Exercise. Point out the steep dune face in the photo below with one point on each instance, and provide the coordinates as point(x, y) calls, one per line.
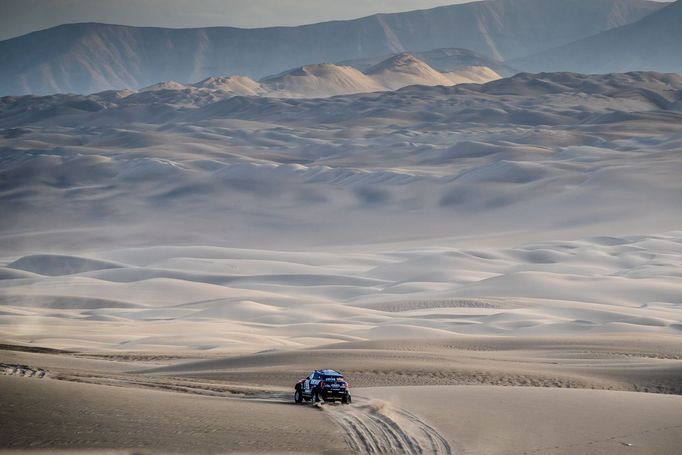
point(472, 74)
point(322, 80)
point(325, 80)
point(167, 85)
point(447, 60)
point(443, 60)
point(238, 85)
point(403, 70)
point(233, 85)
point(84, 58)
point(652, 43)
point(396, 72)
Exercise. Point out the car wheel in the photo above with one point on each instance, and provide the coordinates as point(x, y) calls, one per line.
point(298, 396)
point(346, 399)
point(314, 398)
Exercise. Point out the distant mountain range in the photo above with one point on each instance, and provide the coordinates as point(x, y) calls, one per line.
point(654, 42)
point(91, 57)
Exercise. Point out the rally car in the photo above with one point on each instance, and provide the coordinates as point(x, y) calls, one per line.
point(326, 385)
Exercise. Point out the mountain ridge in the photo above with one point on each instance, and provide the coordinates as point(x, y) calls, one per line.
point(90, 57)
point(650, 43)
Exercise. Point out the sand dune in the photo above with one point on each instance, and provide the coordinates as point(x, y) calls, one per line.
point(325, 80)
point(403, 70)
point(597, 285)
point(444, 60)
point(519, 234)
point(284, 230)
point(239, 85)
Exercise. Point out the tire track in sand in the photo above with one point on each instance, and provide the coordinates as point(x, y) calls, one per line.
point(9, 369)
point(377, 428)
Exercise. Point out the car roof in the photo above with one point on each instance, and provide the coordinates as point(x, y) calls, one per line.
point(330, 373)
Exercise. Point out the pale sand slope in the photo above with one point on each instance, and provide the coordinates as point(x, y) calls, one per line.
point(405, 69)
point(227, 300)
point(327, 79)
point(493, 420)
point(322, 80)
point(65, 415)
point(510, 163)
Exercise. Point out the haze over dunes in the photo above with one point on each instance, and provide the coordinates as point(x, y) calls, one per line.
point(269, 175)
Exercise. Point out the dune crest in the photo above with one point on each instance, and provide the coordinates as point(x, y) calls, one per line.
point(326, 79)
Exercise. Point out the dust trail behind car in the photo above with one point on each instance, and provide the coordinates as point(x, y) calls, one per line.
point(375, 427)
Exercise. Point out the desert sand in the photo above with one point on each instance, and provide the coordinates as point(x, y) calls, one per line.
point(68, 415)
point(493, 420)
point(327, 79)
point(244, 403)
point(495, 267)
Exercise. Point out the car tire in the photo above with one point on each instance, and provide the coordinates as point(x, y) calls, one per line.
point(314, 398)
point(346, 399)
point(298, 396)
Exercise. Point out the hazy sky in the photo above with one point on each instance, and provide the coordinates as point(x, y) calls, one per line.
point(22, 16)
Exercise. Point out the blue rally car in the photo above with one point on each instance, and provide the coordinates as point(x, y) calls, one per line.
point(326, 385)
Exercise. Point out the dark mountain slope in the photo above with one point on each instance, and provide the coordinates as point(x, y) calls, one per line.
point(653, 43)
point(91, 57)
